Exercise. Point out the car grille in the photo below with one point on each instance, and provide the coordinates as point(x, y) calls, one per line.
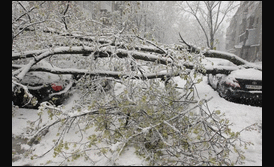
point(250, 85)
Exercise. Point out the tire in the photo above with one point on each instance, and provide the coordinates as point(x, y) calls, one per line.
point(224, 93)
point(208, 79)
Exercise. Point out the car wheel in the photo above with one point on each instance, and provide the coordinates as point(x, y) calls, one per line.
point(219, 90)
point(224, 93)
point(208, 79)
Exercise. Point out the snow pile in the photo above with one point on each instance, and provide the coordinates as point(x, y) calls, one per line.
point(250, 73)
point(216, 62)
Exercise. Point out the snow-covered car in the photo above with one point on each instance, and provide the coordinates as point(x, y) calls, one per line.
point(43, 86)
point(240, 85)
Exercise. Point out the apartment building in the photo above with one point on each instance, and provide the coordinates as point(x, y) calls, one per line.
point(97, 9)
point(244, 34)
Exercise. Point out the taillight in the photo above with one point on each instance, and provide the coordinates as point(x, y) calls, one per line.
point(56, 87)
point(234, 83)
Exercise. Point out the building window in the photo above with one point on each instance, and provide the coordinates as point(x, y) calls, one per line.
point(251, 22)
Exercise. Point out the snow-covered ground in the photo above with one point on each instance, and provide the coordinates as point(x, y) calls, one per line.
point(239, 114)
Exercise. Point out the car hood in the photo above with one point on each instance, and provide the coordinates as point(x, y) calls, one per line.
point(248, 74)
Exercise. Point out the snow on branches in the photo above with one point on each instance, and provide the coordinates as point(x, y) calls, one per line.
point(126, 89)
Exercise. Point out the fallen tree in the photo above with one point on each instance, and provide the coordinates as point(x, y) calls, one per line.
point(100, 73)
point(121, 53)
point(143, 53)
point(167, 124)
point(176, 63)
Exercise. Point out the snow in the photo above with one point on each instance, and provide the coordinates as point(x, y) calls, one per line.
point(231, 55)
point(239, 114)
point(216, 62)
point(242, 73)
point(19, 122)
point(130, 158)
point(145, 130)
point(114, 147)
point(250, 73)
point(235, 57)
point(119, 88)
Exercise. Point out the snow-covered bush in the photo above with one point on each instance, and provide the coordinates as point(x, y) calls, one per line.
point(164, 124)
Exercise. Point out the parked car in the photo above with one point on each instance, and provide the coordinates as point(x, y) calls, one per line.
point(52, 87)
point(44, 87)
point(243, 85)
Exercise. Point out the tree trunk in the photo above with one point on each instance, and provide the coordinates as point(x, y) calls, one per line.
point(211, 30)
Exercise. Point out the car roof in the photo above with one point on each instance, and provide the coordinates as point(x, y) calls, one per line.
point(39, 78)
point(248, 74)
point(217, 62)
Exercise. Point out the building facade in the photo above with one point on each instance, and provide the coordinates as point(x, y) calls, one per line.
point(97, 9)
point(244, 34)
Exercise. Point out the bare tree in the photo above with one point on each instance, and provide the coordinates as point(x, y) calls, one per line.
point(209, 15)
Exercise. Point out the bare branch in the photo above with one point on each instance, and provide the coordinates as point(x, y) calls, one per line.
point(27, 12)
point(152, 44)
point(24, 13)
point(194, 13)
point(26, 27)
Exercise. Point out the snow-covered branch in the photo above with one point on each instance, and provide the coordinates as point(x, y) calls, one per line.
point(101, 73)
point(25, 88)
point(219, 54)
point(59, 50)
point(121, 53)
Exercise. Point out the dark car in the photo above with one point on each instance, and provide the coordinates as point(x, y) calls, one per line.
point(243, 85)
point(44, 87)
point(54, 88)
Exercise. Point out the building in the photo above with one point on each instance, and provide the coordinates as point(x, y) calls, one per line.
point(244, 34)
point(97, 9)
